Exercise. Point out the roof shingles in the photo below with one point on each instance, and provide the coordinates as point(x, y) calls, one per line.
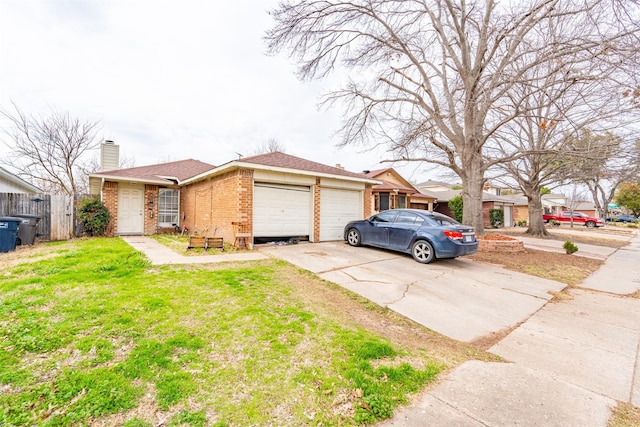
point(282, 160)
point(180, 170)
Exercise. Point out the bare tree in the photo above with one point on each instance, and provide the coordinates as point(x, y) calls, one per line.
point(269, 146)
point(605, 162)
point(432, 77)
point(549, 143)
point(51, 151)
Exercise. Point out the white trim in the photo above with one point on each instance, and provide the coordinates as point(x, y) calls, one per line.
point(114, 178)
point(254, 166)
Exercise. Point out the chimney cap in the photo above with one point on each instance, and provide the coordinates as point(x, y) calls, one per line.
point(366, 171)
point(108, 141)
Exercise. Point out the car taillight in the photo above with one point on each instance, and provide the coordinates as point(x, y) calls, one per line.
point(453, 235)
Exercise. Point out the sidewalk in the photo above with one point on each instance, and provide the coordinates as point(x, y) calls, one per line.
point(567, 365)
point(584, 250)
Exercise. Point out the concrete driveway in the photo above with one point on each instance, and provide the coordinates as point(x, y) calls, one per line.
point(457, 298)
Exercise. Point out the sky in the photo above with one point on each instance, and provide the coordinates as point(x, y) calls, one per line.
point(172, 80)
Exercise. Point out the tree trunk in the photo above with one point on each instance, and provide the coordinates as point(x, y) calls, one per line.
point(536, 224)
point(472, 183)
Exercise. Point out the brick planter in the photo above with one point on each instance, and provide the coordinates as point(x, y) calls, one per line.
point(497, 243)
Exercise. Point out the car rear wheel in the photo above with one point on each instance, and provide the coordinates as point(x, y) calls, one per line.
point(353, 237)
point(590, 224)
point(422, 251)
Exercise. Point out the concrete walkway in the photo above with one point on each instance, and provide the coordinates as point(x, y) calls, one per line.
point(159, 254)
point(568, 364)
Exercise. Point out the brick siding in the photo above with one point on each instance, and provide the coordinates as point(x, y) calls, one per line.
point(110, 201)
point(150, 209)
point(211, 205)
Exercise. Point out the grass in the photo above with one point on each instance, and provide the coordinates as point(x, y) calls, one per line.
point(91, 334)
point(625, 415)
point(569, 269)
point(179, 243)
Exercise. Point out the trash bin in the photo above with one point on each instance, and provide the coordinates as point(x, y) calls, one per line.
point(9, 233)
point(27, 230)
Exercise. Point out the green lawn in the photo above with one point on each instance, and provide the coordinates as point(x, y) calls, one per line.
point(95, 335)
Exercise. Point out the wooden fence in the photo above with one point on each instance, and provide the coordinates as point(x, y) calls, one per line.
point(56, 212)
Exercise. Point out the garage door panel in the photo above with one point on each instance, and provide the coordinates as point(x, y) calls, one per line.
point(281, 210)
point(337, 208)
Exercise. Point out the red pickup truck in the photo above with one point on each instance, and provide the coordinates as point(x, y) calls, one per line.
point(578, 218)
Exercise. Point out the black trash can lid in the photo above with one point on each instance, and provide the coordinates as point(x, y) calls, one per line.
point(10, 218)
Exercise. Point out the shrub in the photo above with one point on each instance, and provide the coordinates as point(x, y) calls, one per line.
point(496, 217)
point(456, 206)
point(522, 223)
point(94, 217)
point(569, 247)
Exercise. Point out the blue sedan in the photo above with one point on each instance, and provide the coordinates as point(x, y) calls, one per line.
point(425, 235)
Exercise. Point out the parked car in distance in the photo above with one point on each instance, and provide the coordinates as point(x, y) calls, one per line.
point(622, 218)
point(425, 235)
point(578, 218)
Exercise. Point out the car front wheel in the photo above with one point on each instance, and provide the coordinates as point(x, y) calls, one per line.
point(353, 237)
point(422, 251)
point(590, 224)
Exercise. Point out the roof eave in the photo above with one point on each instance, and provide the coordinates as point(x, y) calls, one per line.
point(130, 179)
point(239, 165)
point(19, 181)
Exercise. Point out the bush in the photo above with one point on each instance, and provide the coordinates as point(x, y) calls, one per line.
point(522, 223)
point(94, 217)
point(496, 217)
point(569, 247)
point(456, 206)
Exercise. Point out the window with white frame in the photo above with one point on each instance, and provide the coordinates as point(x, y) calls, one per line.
point(168, 207)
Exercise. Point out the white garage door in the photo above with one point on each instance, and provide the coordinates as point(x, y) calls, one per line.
point(337, 207)
point(281, 210)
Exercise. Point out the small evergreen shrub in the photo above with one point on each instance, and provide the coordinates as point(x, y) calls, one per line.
point(456, 206)
point(496, 217)
point(569, 247)
point(94, 217)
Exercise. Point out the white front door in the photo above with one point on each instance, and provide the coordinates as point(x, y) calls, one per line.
point(130, 211)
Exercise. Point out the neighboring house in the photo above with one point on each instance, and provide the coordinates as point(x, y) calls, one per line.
point(277, 196)
point(490, 201)
point(396, 192)
point(551, 204)
point(11, 183)
point(586, 207)
point(436, 186)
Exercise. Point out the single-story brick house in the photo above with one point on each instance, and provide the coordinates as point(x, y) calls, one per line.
point(396, 192)
point(275, 194)
point(489, 201)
